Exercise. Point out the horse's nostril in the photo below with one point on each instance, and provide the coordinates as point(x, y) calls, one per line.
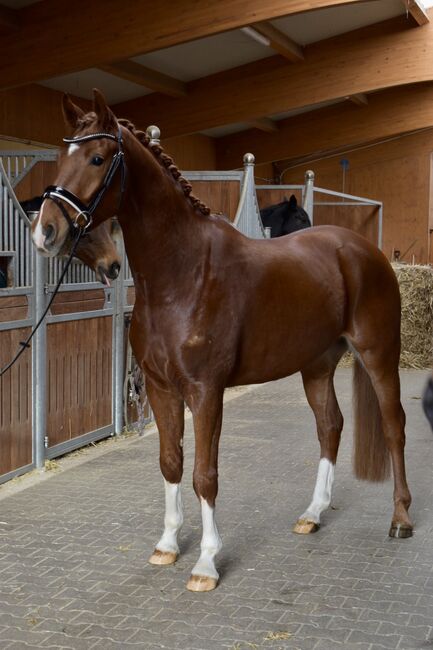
point(50, 233)
point(114, 270)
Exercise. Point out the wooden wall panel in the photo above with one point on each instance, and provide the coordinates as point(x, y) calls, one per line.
point(395, 172)
point(79, 377)
point(15, 404)
point(220, 196)
point(193, 152)
point(361, 219)
point(13, 308)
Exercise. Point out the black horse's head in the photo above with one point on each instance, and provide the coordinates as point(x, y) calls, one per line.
point(285, 217)
point(295, 217)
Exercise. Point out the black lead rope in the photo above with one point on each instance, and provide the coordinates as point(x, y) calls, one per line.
point(26, 344)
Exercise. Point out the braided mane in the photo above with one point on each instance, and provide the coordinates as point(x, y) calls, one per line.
point(167, 162)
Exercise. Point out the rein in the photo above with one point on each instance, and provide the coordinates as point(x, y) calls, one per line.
point(26, 344)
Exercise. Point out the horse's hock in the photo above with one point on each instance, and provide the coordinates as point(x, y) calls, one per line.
point(416, 289)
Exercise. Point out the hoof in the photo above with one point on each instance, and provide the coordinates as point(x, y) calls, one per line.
point(305, 527)
point(163, 557)
point(201, 583)
point(400, 531)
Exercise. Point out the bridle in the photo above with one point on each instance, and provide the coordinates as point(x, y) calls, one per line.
point(60, 195)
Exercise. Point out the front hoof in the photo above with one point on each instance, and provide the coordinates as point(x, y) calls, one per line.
point(163, 558)
point(305, 527)
point(400, 531)
point(201, 583)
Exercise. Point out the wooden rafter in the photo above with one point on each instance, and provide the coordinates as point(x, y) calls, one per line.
point(264, 124)
point(417, 11)
point(279, 42)
point(389, 113)
point(342, 64)
point(101, 31)
point(359, 99)
point(151, 79)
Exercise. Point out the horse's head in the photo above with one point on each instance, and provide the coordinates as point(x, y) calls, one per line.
point(96, 249)
point(89, 183)
point(295, 217)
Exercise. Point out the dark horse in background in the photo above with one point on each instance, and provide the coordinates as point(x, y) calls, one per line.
point(285, 217)
point(215, 309)
point(96, 248)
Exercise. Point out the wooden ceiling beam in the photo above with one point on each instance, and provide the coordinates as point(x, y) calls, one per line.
point(417, 11)
point(264, 124)
point(87, 34)
point(9, 19)
point(143, 76)
point(388, 114)
point(335, 68)
point(279, 42)
point(359, 99)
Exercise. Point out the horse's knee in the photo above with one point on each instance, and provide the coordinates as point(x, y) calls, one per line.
point(171, 467)
point(206, 484)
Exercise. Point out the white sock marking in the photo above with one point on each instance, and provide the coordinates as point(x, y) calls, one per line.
point(210, 543)
point(173, 519)
point(322, 491)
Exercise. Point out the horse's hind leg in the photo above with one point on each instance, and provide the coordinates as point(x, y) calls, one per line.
point(169, 415)
point(319, 389)
point(382, 368)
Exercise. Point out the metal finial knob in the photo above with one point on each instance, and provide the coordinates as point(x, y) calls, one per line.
point(309, 174)
point(249, 159)
point(154, 134)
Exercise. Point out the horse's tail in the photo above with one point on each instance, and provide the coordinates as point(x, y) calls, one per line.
point(371, 455)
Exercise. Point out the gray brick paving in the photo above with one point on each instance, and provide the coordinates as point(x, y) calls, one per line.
point(73, 549)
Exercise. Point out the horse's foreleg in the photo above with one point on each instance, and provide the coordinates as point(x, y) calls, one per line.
point(207, 427)
point(319, 388)
point(169, 415)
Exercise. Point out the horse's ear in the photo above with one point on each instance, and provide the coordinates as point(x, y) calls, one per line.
point(105, 116)
point(71, 112)
point(293, 203)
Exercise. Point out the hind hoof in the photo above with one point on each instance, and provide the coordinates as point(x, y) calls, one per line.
point(400, 531)
point(305, 527)
point(163, 558)
point(201, 583)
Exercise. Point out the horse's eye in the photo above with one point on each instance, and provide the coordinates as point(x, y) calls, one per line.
point(97, 161)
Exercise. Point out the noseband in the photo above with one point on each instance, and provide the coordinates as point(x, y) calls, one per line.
point(60, 195)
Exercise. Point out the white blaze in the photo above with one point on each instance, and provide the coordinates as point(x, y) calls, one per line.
point(72, 147)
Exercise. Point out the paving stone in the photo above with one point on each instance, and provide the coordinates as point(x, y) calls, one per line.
point(79, 578)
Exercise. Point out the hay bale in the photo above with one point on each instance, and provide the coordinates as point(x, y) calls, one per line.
point(416, 290)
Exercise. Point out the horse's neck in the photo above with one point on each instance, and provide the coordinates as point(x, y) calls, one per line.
point(162, 232)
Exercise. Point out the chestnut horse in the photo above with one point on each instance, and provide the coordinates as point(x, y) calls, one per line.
point(215, 308)
point(96, 248)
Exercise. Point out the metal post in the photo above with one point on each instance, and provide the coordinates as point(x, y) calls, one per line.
point(39, 362)
point(118, 345)
point(309, 194)
point(380, 227)
point(154, 134)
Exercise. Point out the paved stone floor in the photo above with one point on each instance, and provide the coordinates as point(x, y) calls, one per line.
point(73, 549)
